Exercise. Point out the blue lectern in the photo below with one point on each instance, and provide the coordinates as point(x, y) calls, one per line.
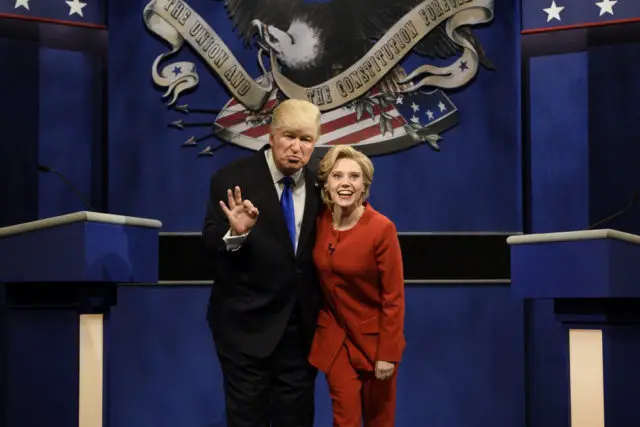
point(594, 279)
point(60, 276)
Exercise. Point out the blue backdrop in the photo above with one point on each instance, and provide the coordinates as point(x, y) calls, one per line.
point(465, 359)
point(464, 363)
point(476, 356)
point(478, 167)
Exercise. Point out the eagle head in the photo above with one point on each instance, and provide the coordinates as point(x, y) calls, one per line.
point(300, 47)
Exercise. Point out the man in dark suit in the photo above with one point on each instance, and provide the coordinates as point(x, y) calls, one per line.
point(260, 228)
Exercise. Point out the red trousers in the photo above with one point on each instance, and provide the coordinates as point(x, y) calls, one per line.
point(359, 397)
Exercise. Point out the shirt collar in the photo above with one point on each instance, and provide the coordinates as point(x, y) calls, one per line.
point(276, 175)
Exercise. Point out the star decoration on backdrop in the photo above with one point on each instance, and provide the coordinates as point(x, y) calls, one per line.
point(75, 6)
point(422, 110)
point(22, 3)
point(606, 6)
point(553, 12)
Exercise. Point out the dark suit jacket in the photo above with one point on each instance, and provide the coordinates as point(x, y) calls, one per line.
point(257, 287)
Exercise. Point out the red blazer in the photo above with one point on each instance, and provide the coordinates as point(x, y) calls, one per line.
point(362, 279)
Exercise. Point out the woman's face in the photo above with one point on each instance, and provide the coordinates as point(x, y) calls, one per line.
point(345, 184)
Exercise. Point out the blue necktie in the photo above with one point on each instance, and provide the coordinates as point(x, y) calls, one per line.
point(286, 200)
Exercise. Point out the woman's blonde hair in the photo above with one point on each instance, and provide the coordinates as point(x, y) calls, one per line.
point(328, 163)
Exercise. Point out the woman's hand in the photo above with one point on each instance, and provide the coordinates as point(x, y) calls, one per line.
point(384, 370)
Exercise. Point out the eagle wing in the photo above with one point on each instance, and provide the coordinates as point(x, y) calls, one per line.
point(272, 12)
point(380, 15)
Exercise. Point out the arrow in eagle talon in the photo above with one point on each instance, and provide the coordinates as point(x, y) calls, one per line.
point(185, 109)
point(182, 108)
point(191, 142)
point(206, 152)
point(178, 124)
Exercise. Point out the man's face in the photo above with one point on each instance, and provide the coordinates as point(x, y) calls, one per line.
point(292, 148)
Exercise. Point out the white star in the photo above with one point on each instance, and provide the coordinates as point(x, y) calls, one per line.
point(429, 114)
point(441, 106)
point(75, 6)
point(553, 12)
point(415, 120)
point(606, 6)
point(399, 100)
point(414, 106)
point(23, 3)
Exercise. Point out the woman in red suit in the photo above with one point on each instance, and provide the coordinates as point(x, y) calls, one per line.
point(359, 336)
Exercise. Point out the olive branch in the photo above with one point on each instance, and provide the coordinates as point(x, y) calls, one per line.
point(366, 104)
point(417, 132)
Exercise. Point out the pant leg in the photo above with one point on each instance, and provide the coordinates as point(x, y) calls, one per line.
point(379, 401)
point(246, 389)
point(293, 381)
point(345, 389)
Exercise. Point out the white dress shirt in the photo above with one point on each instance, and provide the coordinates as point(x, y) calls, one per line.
point(298, 192)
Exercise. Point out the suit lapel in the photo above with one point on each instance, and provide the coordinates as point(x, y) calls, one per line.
point(312, 199)
point(268, 204)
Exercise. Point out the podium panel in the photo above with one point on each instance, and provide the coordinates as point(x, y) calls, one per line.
point(80, 247)
point(592, 278)
point(583, 264)
point(60, 278)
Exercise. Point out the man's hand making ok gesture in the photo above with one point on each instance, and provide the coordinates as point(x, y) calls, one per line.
point(242, 214)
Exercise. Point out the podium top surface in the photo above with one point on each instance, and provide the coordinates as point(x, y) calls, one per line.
point(83, 216)
point(568, 236)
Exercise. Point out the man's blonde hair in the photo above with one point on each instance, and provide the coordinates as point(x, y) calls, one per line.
point(294, 114)
point(328, 163)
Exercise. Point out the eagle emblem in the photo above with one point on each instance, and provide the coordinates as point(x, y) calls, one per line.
point(345, 56)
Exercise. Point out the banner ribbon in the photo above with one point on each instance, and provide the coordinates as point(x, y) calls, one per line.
point(176, 22)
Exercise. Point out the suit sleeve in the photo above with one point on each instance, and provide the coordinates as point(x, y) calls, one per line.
point(216, 224)
point(390, 268)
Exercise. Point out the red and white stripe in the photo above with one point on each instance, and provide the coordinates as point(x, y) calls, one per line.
point(339, 126)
